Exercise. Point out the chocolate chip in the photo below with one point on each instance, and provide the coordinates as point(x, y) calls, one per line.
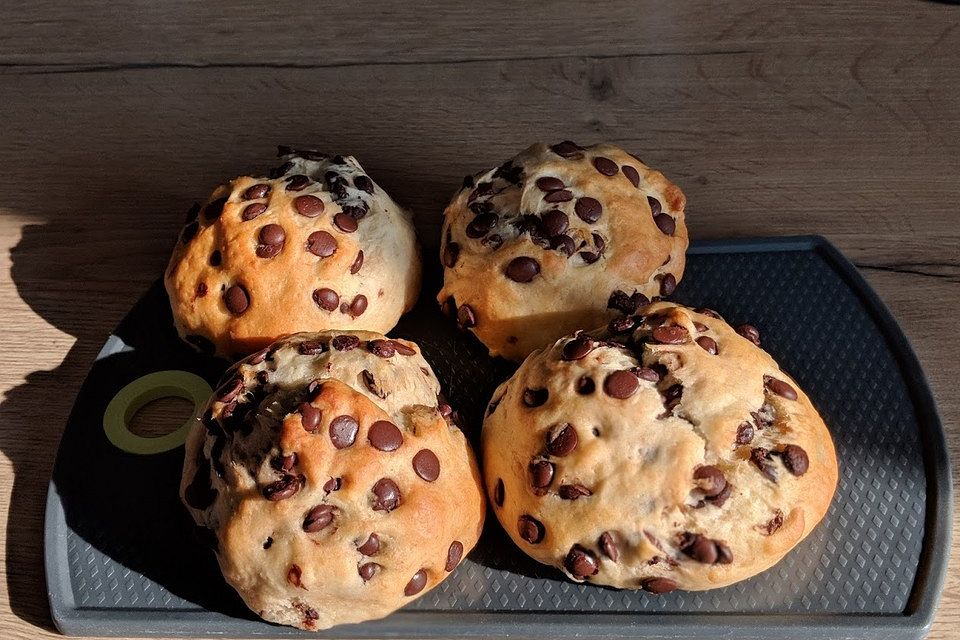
point(773, 525)
point(257, 191)
point(468, 182)
point(276, 172)
point(522, 269)
point(608, 545)
point(655, 208)
point(761, 458)
point(345, 342)
point(309, 416)
point(322, 244)
point(564, 244)
point(535, 397)
point(318, 518)
point(668, 284)
point(672, 396)
point(251, 211)
point(724, 555)
point(364, 183)
point(578, 348)
point(498, 493)
point(293, 576)
point(283, 488)
point(450, 254)
point(333, 484)
point(530, 529)
point(215, 209)
point(403, 349)
point(567, 149)
point(311, 347)
point(357, 263)
point(573, 491)
point(345, 223)
point(670, 334)
point(710, 480)
point(708, 344)
point(555, 222)
point(632, 174)
point(699, 547)
point(367, 570)
point(272, 234)
point(481, 225)
point(659, 585)
point(494, 241)
point(562, 440)
point(581, 563)
point(385, 436)
point(646, 373)
point(621, 384)
point(795, 459)
point(192, 213)
point(381, 348)
point(744, 433)
point(326, 299)
point(541, 474)
point(189, 232)
point(416, 584)
point(483, 189)
point(454, 554)
point(386, 495)
point(588, 209)
point(237, 299)
point(606, 166)
point(297, 182)
point(201, 289)
point(620, 301)
point(665, 223)
point(371, 546)
point(550, 183)
point(267, 543)
point(749, 332)
point(231, 389)
point(466, 317)
point(309, 206)
point(564, 195)
point(343, 431)
point(357, 306)
point(426, 465)
point(780, 387)
point(372, 384)
point(710, 313)
point(216, 258)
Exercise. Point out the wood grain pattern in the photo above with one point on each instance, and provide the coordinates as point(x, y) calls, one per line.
point(775, 118)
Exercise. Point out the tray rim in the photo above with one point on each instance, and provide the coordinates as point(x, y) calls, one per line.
point(913, 622)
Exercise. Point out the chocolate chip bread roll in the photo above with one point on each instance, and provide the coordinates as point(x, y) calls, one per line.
point(559, 238)
point(331, 480)
point(667, 452)
point(317, 245)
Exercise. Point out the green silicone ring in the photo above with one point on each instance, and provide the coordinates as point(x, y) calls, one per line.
point(153, 386)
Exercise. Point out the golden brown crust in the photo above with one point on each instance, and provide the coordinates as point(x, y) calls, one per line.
point(658, 409)
point(281, 272)
point(616, 247)
point(288, 471)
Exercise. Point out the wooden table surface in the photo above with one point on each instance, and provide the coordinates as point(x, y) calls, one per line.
point(841, 119)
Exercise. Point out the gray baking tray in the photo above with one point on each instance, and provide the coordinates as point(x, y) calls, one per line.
point(121, 558)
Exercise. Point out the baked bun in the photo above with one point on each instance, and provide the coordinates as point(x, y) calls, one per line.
point(667, 452)
point(559, 238)
point(318, 245)
point(331, 480)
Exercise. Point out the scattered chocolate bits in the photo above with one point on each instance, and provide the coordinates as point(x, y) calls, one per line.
point(580, 562)
point(773, 525)
point(744, 433)
point(382, 348)
point(283, 488)
point(670, 334)
point(309, 206)
point(251, 211)
point(454, 554)
point(621, 384)
point(371, 546)
point(237, 299)
point(710, 480)
point(385, 436)
point(659, 585)
point(562, 440)
point(632, 174)
point(749, 332)
point(386, 495)
point(780, 387)
point(608, 545)
point(309, 416)
point(606, 166)
point(345, 342)
point(708, 344)
point(345, 222)
point(522, 269)
point(343, 431)
point(326, 299)
point(466, 318)
point(498, 493)
point(550, 183)
point(795, 459)
point(541, 474)
point(322, 244)
point(451, 251)
point(530, 529)
point(416, 584)
point(426, 465)
point(573, 491)
point(318, 518)
point(760, 457)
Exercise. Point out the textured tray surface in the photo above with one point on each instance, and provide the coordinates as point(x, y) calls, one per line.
point(130, 557)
